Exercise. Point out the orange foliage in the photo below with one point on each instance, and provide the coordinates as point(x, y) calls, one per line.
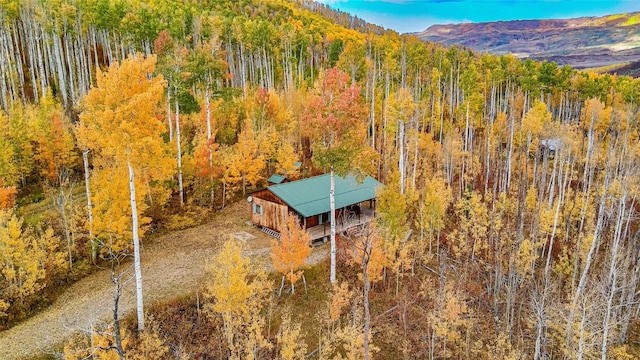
point(55, 148)
point(339, 298)
point(7, 197)
point(203, 154)
point(290, 252)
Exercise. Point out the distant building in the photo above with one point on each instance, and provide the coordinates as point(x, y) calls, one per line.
point(552, 145)
point(279, 179)
point(276, 179)
point(309, 200)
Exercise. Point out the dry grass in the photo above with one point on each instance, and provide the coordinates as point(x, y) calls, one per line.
point(172, 265)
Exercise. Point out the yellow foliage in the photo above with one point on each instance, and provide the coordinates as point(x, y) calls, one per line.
point(621, 352)
point(4, 306)
point(286, 159)
point(502, 349)
point(112, 210)
point(344, 340)
point(229, 285)
point(119, 115)
point(369, 248)
point(25, 257)
point(565, 262)
point(16, 142)
point(547, 216)
point(532, 199)
point(339, 297)
point(595, 114)
point(470, 238)
point(392, 210)
point(250, 162)
point(98, 345)
point(290, 339)
point(430, 151)
point(401, 108)
point(231, 176)
point(534, 123)
point(120, 123)
point(436, 199)
point(238, 298)
point(267, 140)
point(450, 321)
point(150, 347)
point(351, 339)
point(526, 257)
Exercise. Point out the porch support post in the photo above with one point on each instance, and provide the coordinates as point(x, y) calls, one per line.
point(332, 202)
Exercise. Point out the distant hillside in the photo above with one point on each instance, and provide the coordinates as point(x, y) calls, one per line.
point(582, 43)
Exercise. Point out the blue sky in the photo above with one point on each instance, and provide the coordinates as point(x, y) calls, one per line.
point(417, 15)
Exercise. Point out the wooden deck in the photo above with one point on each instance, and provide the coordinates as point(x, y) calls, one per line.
point(323, 231)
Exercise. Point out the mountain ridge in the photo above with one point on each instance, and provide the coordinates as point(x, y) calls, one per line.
point(584, 42)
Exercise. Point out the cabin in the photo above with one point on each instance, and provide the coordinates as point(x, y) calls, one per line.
point(279, 179)
point(309, 200)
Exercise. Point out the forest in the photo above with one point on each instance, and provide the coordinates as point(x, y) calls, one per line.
point(508, 227)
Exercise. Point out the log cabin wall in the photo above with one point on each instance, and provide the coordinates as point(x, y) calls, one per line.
point(312, 221)
point(270, 214)
point(265, 194)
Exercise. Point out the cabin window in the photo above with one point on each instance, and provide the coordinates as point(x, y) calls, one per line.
point(258, 209)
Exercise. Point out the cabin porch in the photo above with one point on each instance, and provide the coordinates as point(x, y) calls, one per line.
point(350, 220)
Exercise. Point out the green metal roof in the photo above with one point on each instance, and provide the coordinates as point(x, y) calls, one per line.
point(310, 196)
point(276, 179)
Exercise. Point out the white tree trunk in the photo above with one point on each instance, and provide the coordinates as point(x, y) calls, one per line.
point(401, 162)
point(169, 121)
point(373, 109)
point(94, 247)
point(611, 281)
point(179, 150)
point(332, 202)
point(136, 249)
point(207, 102)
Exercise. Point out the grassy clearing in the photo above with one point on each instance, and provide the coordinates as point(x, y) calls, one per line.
point(632, 20)
point(607, 68)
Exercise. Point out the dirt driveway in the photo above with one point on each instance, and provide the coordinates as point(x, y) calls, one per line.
point(171, 265)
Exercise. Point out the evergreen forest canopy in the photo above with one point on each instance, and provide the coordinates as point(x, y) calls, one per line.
point(517, 181)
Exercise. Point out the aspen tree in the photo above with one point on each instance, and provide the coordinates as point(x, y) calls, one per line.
point(335, 126)
point(238, 298)
point(352, 58)
point(290, 339)
point(433, 204)
point(401, 112)
point(290, 251)
point(286, 159)
point(369, 253)
point(55, 149)
point(119, 123)
point(26, 255)
point(250, 161)
point(8, 168)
